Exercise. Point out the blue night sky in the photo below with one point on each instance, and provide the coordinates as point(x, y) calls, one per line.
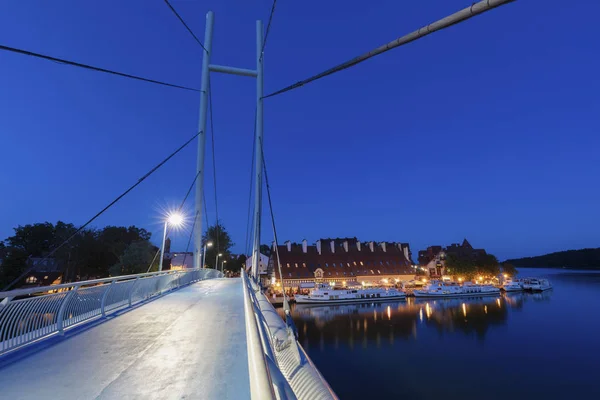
point(487, 130)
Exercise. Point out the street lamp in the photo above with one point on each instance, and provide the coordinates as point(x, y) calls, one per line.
point(207, 244)
point(175, 219)
point(223, 262)
point(217, 260)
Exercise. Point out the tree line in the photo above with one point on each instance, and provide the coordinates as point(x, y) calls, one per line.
point(584, 258)
point(481, 265)
point(98, 253)
point(91, 254)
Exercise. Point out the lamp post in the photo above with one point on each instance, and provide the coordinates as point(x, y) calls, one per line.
point(175, 219)
point(223, 262)
point(207, 244)
point(217, 261)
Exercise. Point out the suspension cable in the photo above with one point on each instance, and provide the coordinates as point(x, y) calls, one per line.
point(187, 248)
point(170, 228)
point(90, 67)
point(112, 203)
point(462, 15)
point(185, 25)
point(262, 51)
point(286, 305)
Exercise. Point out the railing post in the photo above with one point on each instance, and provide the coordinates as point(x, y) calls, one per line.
point(61, 311)
point(5, 302)
point(104, 296)
point(133, 287)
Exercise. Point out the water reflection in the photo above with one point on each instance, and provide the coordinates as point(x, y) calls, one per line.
point(357, 325)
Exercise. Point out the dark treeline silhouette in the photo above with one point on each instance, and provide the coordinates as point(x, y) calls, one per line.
point(92, 253)
point(584, 258)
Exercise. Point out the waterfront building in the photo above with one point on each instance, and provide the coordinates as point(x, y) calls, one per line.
point(343, 262)
point(263, 266)
point(181, 260)
point(43, 272)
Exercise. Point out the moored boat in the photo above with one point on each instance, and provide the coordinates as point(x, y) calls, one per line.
point(512, 286)
point(325, 294)
point(537, 284)
point(450, 289)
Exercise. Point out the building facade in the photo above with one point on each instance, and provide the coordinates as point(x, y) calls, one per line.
point(341, 262)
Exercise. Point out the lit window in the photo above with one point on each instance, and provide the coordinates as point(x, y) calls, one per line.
point(387, 262)
point(349, 264)
point(326, 264)
point(378, 271)
point(355, 263)
point(288, 265)
point(372, 272)
point(31, 279)
point(46, 277)
point(333, 265)
point(303, 265)
point(296, 265)
point(361, 263)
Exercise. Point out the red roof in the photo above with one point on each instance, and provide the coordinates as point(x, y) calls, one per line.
point(296, 264)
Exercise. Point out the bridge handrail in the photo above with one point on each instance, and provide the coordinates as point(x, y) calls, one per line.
point(30, 315)
point(266, 379)
point(42, 289)
point(261, 386)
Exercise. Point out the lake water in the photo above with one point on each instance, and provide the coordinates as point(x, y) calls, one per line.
point(544, 345)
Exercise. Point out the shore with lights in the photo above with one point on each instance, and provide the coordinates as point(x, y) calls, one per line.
point(419, 287)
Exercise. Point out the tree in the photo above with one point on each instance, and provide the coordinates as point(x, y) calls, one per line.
point(460, 266)
point(135, 259)
point(509, 269)
point(488, 265)
point(221, 244)
point(35, 240)
point(88, 255)
point(265, 249)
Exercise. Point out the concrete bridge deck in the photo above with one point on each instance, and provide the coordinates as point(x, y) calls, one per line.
point(189, 344)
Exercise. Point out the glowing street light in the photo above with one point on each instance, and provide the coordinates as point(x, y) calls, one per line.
point(175, 219)
point(207, 244)
point(217, 260)
point(223, 262)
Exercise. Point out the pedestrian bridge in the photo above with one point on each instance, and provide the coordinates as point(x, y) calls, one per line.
point(212, 339)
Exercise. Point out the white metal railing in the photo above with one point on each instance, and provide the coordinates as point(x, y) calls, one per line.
point(30, 315)
point(266, 380)
point(279, 367)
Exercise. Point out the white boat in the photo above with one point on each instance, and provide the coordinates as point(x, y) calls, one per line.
point(450, 289)
point(325, 294)
point(537, 284)
point(512, 286)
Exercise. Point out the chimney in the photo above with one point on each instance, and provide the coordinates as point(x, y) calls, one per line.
point(371, 246)
point(346, 245)
point(384, 246)
point(319, 246)
point(304, 246)
point(358, 245)
point(332, 244)
point(288, 245)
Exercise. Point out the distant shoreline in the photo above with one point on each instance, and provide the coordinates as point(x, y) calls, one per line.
point(588, 259)
point(571, 268)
